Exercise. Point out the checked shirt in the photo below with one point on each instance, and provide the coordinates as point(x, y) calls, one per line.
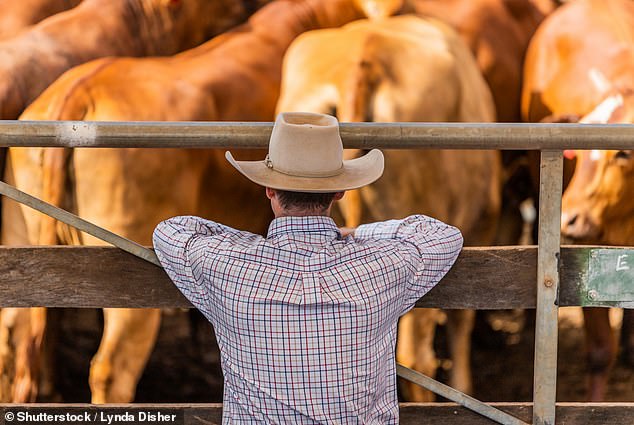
point(306, 319)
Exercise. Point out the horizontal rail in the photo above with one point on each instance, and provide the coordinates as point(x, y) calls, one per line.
point(410, 413)
point(87, 277)
point(239, 135)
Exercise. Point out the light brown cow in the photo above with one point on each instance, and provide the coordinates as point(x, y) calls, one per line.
point(17, 15)
point(32, 60)
point(498, 32)
point(235, 76)
point(406, 69)
point(580, 56)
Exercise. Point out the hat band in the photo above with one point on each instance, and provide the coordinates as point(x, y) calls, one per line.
point(269, 164)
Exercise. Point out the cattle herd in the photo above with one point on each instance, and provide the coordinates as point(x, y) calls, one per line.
point(361, 60)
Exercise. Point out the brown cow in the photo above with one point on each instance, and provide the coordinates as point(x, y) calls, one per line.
point(597, 208)
point(406, 69)
point(17, 15)
point(235, 76)
point(32, 60)
point(580, 56)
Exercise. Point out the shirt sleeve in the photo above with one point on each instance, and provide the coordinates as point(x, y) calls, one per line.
point(428, 246)
point(181, 245)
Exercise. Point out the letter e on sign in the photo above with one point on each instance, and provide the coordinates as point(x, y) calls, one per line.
point(621, 263)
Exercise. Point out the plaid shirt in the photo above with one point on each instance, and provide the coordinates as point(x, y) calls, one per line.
point(305, 319)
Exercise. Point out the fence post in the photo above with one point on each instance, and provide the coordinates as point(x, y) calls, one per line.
point(545, 373)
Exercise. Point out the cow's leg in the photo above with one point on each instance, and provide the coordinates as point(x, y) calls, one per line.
point(600, 350)
point(15, 325)
point(415, 349)
point(22, 331)
point(128, 338)
point(627, 337)
point(459, 327)
point(21, 343)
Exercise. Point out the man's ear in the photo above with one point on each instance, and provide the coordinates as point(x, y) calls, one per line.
point(270, 193)
point(338, 195)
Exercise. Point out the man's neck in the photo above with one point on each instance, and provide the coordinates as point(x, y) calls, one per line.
point(302, 213)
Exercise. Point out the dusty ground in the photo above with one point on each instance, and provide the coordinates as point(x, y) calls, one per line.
point(180, 370)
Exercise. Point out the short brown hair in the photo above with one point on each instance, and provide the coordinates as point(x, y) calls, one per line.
point(305, 200)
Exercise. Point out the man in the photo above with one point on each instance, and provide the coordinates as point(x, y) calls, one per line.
point(306, 318)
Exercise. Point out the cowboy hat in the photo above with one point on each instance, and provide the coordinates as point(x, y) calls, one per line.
point(306, 155)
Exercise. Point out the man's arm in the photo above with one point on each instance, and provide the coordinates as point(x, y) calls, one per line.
point(429, 247)
point(181, 244)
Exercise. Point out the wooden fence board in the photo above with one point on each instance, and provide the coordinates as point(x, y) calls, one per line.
point(86, 277)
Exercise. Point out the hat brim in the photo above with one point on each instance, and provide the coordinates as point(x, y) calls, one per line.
point(356, 173)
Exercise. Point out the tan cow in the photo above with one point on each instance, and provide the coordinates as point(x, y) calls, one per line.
point(406, 69)
point(32, 60)
point(17, 15)
point(235, 76)
point(582, 55)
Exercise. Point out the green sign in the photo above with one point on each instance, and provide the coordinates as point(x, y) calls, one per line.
point(610, 277)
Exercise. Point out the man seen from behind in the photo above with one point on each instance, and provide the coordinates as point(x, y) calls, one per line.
point(306, 317)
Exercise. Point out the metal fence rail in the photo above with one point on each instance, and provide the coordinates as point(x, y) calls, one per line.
point(551, 139)
point(354, 135)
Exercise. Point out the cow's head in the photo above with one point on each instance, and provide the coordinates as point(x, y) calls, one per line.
point(598, 205)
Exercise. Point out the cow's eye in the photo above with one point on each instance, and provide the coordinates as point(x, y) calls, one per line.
point(624, 155)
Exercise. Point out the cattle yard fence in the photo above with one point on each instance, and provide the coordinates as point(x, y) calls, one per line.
point(544, 277)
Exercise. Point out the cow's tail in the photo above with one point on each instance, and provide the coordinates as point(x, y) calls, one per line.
point(67, 100)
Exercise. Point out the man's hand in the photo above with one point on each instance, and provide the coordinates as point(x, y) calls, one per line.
point(347, 231)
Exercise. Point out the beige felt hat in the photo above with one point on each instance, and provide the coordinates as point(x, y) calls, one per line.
point(306, 155)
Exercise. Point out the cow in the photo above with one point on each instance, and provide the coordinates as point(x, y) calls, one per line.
point(498, 33)
point(582, 59)
point(597, 208)
point(17, 15)
point(406, 68)
point(235, 76)
point(33, 59)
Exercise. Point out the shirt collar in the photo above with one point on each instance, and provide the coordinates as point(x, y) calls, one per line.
point(309, 224)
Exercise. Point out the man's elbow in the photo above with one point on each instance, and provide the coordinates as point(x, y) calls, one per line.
point(456, 241)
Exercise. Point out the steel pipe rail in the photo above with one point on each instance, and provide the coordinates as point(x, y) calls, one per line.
point(249, 135)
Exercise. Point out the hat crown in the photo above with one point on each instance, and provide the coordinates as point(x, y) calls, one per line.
point(306, 145)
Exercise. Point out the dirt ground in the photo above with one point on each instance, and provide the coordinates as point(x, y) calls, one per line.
point(185, 365)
